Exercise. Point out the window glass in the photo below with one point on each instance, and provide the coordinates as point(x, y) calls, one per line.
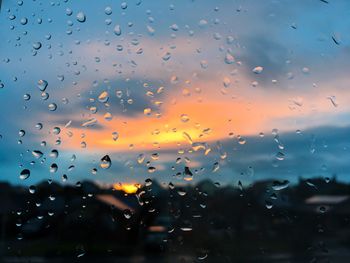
point(174, 131)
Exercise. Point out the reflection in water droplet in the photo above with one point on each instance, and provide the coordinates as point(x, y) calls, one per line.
point(42, 84)
point(37, 45)
point(108, 10)
point(81, 17)
point(277, 186)
point(258, 70)
point(268, 204)
point(52, 106)
point(53, 168)
point(117, 30)
point(21, 133)
point(37, 154)
point(280, 156)
point(105, 162)
point(54, 154)
point(140, 158)
point(115, 136)
point(184, 118)
point(24, 174)
point(151, 169)
point(32, 189)
point(216, 167)
point(127, 213)
point(39, 126)
point(103, 97)
point(148, 182)
point(26, 97)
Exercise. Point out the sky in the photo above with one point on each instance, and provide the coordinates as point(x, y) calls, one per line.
point(237, 91)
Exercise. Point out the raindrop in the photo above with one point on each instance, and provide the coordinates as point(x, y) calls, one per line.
point(69, 12)
point(151, 169)
point(268, 204)
point(127, 213)
point(105, 162)
point(277, 186)
point(216, 167)
point(124, 5)
point(37, 45)
point(42, 84)
point(115, 136)
point(56, 130)
point(24, 21)
point(258, 70)
point(280, 156)
point(54, 154)
point(140, 158)
point(37, 154)
point(117, 30)
point(108, 10)
point(38, 126)
point(52, 106)
point(103, 97)
point(21, 133)
point(81, 17)
point(184, 118)
point(26, 97)
point(53, 168)
point(24, 174)
point(32, 189)
point(333, 100)
point(148, 182)
point(229, 59)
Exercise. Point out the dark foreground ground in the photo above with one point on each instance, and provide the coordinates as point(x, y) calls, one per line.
point(270, 221)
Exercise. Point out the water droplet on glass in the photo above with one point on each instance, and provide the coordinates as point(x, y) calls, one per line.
point(148, 182)
point(21, 133)
point(32, 189)
point(42, 84)
point(280, 156)
point(54, 154)
point(37, 45)
point(277, 186)
point(115, 136)
point(24, 21)
point(184, 118)
point(81, 17)
point(53, 168)
point(151, 169)
point(103, 97)
point(140, 158)
point(24, 174)
point(108, 10)
point(105, 162)
point(117, 30)
point(333, 100)
point(37, 154)
point(127, 213)
point(258, 70)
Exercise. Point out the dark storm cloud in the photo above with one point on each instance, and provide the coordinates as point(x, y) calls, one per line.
point(262, 51)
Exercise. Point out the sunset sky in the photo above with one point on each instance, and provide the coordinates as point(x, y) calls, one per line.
point(238, 90)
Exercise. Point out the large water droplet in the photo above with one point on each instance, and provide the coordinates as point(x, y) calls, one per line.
point(24, 174)
point(117, 30)
point(37, 154)
point(81, 17)
point(105, 162)
point(277, 186)
point(42, 84)
point(103, 97)
point(52, 106)
point(115, 136)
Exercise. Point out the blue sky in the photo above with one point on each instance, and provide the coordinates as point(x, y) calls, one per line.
point(173, 58)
